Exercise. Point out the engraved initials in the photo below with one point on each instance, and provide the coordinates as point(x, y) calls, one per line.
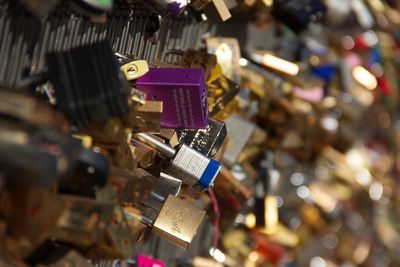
point(177, 218)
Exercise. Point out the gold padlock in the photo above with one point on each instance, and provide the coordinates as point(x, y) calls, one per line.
point(148, 116)
point(135, 69)
point(178, 221)
point(81, 221)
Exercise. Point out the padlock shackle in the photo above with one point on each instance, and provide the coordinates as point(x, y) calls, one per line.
point(164, 149)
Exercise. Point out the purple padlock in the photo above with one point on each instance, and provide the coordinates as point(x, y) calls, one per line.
point(175, 7)
point(184, 95)
point(169, 9)
point(144, 261)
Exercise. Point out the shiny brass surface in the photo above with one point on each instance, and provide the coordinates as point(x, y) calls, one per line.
point(178, 221)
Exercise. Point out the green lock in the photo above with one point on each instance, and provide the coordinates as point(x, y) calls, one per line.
point(99, 5)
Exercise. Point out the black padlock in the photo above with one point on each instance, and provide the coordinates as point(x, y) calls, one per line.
point(90, 172)
point(89, 85)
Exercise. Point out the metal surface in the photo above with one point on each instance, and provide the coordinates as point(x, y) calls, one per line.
point(26, 40)
point(167, 185)
point(149, 116)
point(182, 90)
point(206, 141)
point(161, 147)
point(178, 221)
point(188, 164)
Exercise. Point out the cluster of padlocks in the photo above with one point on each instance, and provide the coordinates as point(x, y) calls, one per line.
point(128, 120)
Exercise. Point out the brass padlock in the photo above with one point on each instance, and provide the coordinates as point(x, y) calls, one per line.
point(31, 110)
point(148, 116)
point(207, 141)
point(178, 221)
point(82, 220)
point(116, 239)
point(145, 155)
point(30, 215)
point(134, 69)
point(198, 59)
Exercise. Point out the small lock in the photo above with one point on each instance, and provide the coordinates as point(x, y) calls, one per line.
point(112, 138)
point(182, 90)
point(90, 172)
point(207, 141)
point(145, 261)
point(149, 116)
point(178, 221)
point(221, 103)
point(134, 69)
point(175, 220)
point(145, 115)
point(185, 163)
point(145, 155)
point(90, 87)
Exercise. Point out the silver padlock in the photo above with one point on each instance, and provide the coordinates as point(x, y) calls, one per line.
point(185, 163)
point(207, 141)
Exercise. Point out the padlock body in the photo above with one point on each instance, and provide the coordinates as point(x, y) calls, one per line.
point(183, 93)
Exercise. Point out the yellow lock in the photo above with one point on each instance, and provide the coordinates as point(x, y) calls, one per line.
point(135, 69)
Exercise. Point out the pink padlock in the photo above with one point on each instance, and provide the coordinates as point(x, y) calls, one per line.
point(144, 261)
